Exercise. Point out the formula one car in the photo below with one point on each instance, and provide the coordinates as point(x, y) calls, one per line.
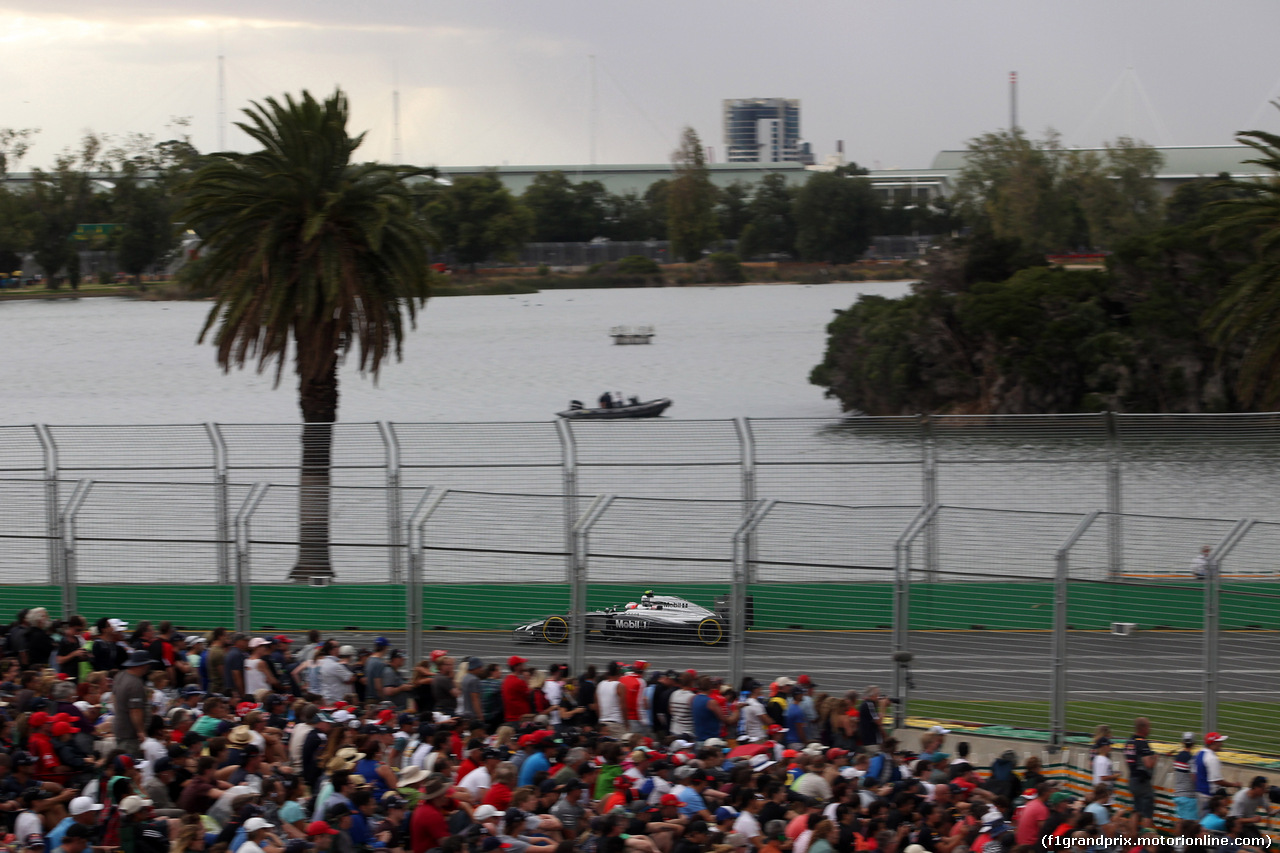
point(664, 618)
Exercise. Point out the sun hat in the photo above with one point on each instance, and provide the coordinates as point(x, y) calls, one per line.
point(138, 657)
point(436, 785)
point(253, 824)
point(485, 812)
point(81, 805)
point(133, 804)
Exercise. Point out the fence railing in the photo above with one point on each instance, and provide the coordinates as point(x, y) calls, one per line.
point(998, 616)
point(982, 560)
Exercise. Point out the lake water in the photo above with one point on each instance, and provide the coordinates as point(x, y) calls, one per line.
point(719, 352)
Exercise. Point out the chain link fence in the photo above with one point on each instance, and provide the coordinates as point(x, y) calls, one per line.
point(1028, 572)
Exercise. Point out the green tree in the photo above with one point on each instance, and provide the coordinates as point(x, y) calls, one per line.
point(691, 200)
point(1009, 184)
point(478, 219)
point(1249, 314)
point(14, 145)
point(564, 212)
point(835, 217)
point(773, 218)
point(60, 200)
point(733, 210)
point(308, 251)
point(628, 217)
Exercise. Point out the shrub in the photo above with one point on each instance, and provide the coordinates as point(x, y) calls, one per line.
point(638, 265)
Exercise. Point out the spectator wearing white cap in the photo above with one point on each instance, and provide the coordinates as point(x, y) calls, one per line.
point(81, 810)
point(108, 651)
point(258, 838)
point(257, 672)
point(335, 676)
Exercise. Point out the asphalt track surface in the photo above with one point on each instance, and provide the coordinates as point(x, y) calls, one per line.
point(959, 665)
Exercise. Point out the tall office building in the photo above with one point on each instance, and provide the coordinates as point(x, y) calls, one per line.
point(764, 130)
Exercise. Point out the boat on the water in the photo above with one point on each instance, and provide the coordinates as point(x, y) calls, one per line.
point(646, 409)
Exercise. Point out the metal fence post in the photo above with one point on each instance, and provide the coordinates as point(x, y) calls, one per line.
point(1115, 499)
point(1061, 579)
point(243, 574)
point(52, 519)
point(416, 537)
point(70, 579)
point(1213, 619)
point(747, 449)
point(930, 497)
point(221, 502)
point(569, 488)
point(902, 612)
point(395, 526)
point(742, 558)
point(580, 556)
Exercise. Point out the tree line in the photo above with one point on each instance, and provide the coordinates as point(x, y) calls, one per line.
point(1184, 317)
point(136, 185)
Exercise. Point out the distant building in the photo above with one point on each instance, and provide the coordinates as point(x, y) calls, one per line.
point(764, 130)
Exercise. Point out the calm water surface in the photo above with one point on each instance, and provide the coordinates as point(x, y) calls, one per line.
point(720, 352)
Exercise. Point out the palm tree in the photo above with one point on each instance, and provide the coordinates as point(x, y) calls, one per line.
point(1249, 315)
point(304, 246)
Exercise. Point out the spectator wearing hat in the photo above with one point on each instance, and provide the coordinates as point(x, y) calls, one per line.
point(444, 692)
point(516, 701)
point(428, 826)
point(392, 686)
point(632, 689)
point(259, 838)
point(233, 665)
point(1185, 804)
point(1104, 770)
point(320, 834)
point(335, 676)
point(1207, 769)
point(257, 672)
point(1031, 814)
point(81, 811)
point(538, 761)
point(478, 781)
point(129, 701)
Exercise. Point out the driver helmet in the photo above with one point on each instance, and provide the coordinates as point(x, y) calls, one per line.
point(631, 605)
point(647, 597)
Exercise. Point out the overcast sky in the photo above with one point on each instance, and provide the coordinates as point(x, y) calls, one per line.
point(487, 82)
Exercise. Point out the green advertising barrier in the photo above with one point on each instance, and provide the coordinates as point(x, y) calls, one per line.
point(951, 606)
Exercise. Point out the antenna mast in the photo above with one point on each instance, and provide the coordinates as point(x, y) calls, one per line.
point(222, 97)
point(593, 110)
point(1013, 101)
point(395, 114)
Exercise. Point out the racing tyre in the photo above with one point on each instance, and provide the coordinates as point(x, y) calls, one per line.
point(555, 630)
point(710, 631)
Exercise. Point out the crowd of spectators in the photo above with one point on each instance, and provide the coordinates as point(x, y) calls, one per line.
point(143, 739)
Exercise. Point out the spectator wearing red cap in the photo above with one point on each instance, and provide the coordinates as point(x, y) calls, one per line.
point(321, 834)
point(632, 690)
point(515, 691)
point(48, 767)
point(1207, 769)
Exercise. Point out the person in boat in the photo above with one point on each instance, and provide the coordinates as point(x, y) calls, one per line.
point(575, 405)
point(606, 401)
point(634, 401)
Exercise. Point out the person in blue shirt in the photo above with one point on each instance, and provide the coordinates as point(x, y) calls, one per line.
point(690, 793)
point(796, 719)
point(539, 761)
point(1216, 818)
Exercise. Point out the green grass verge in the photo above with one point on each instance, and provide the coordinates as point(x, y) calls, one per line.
point(1248, 724)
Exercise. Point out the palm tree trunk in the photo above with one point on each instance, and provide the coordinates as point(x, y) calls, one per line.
point(318, 398)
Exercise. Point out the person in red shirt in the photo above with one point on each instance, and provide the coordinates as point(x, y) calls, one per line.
point(499, 793)
point(428, 827)
point(515, 691)
point(633, 704)
point(48, 767)
point(1030, 815)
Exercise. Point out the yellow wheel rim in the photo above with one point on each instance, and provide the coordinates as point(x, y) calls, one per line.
point(710, 632)
point(555, 630)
